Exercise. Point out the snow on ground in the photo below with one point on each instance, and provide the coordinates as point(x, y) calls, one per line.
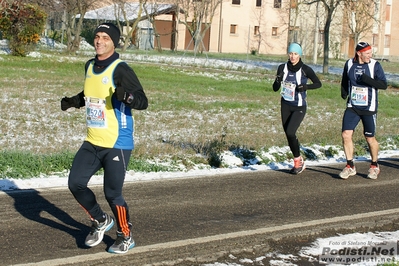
point(232, 163)
point(354, 249)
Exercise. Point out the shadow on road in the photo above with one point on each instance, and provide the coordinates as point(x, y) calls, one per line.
point(327, 171)
point(386, 162)
point(32, 205)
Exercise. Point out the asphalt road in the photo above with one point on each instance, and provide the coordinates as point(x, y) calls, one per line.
point(190, 221)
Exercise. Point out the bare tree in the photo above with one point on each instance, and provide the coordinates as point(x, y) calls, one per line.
point(151, 18)
point(259, 30)
point(154, 8)
point(125, 7)
point(261, 37)
point(330, 7)
point(73, 26)
point(361, 17)
point(198, 18)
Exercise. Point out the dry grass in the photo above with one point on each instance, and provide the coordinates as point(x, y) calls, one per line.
point(190, 110)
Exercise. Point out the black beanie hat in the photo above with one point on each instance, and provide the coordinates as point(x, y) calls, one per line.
point(110, 29)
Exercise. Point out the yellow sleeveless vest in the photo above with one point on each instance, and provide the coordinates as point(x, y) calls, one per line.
point(101, 120)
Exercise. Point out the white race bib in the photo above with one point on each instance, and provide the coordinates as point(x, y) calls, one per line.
point(359, 96)
point(288, 91)
point(95, 113)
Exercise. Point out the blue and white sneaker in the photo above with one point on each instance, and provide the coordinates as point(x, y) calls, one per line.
point(96, 234)
point(122, 243)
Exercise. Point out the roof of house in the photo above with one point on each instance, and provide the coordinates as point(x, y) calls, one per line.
point(115, 11)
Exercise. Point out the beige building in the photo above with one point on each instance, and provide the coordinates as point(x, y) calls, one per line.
point(268, 26)
point(250, 26)
point(381, 35)
point(385, 40)
point(241, 26)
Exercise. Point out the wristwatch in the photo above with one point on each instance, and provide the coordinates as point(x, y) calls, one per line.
point(129, 99)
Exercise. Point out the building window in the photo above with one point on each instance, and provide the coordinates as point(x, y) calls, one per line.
point(233, 29)
point(388, 13)
point(387, 42)
point(236, 2)
point(256, 30)
point(277, 3)
point(375, 40)
point(274, 31)
point(258, 2)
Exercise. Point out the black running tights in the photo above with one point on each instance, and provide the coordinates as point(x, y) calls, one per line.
point(291, 118)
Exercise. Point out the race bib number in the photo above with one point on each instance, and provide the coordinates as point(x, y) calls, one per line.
point(359, 96)
point(95, 113)
point(288, 91)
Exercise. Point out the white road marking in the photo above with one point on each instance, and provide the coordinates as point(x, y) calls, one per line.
point(201, 240)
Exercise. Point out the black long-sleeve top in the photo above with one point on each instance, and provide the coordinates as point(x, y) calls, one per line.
point(124, 77)
point(298, 75)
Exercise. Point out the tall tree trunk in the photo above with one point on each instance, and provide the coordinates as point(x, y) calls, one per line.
point(326, 43)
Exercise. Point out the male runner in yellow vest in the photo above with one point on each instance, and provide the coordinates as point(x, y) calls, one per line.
point(111, 91)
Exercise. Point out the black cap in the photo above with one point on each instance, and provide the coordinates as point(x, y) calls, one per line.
point(110, 29)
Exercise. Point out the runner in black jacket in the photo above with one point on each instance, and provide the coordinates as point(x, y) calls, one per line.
point(362, 78)
point(292, 78)
point(111, 91)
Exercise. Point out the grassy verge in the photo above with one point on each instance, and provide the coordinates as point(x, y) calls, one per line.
point(194, 115)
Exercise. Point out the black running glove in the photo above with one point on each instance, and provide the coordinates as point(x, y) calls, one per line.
point(68, 102)
point(279, 77)
point(301, 88)
point(123, 96)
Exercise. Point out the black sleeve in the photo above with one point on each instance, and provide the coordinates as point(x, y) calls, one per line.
point(125, 77)
point(277, 82)
point(344, 82)
point(316, 83)
point(378, 84)
point(81, 97)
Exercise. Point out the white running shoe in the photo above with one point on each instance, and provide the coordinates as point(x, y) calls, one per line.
point(96, 234)
point(373, 172)
point(122, 243)
point(347, 172)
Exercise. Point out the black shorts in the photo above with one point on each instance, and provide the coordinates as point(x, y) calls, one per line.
point(351, 119)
